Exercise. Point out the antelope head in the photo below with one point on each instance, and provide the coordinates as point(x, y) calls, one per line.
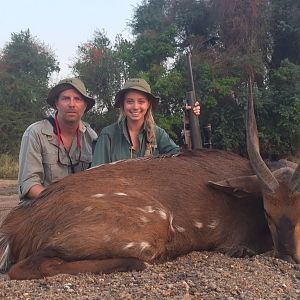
point(281, 194)
point(279, 189)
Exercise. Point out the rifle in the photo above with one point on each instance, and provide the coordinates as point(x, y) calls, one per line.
point(192, 133)
point(207, 136)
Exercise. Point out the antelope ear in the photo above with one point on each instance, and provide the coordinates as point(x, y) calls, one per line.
point(241, 187)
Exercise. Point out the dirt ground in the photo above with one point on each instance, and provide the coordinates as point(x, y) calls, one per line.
point(199, 275)
point(8, 196)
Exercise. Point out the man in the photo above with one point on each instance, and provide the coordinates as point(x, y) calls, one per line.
point(57, 146)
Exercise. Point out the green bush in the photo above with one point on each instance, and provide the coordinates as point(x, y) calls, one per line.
point(12, 126)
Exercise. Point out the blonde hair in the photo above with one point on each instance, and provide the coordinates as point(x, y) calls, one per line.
point(149, 124)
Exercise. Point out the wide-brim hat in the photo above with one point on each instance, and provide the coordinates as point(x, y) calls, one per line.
point(137, 84)
point(68, 83)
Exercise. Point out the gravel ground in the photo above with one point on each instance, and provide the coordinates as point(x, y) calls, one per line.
point(199, 275)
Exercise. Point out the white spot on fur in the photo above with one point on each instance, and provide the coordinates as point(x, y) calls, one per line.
point(144, 245)
point(147, 209)
point(213, 224)
point(113, 163)
point(129, 245)
point(144, 219)
point(150, 209)
point(120, 194)
point(5, 250)
point(198, 224)
point(98, 195)
point(154, 256)
point(179, 228)
point(88, 208)
point(171, 222)
point(162, 214)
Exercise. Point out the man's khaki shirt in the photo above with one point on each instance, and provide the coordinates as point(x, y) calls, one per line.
point(43, 161)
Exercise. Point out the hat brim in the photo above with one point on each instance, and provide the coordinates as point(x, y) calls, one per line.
point(56, 90)
point(120, 97)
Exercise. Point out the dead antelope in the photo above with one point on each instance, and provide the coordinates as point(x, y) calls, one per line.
point(116, 217)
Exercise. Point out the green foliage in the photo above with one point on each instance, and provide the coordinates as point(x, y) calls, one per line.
point(173, 125)
point(150, 16)
point(221, 107)
point(192, 19)
point(229, 41)
point(285, 31)
point(98, 122)
point(12, 126)
point(26, 66)
point(153, 48)
point(155, 35)
point(281, 110)
point(124, 54)
point(228, 129)
point(98, 65)
point(169, 86)
point(9, 166)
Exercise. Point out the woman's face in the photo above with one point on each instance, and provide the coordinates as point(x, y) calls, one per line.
point(135, 105)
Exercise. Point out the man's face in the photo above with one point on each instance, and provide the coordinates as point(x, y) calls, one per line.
point(70, 106)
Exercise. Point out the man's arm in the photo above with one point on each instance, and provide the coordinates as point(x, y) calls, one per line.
point(34, 191)
point(31, 170)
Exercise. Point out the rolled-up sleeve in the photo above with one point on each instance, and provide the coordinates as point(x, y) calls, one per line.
point(102, 151)
point(31, 171)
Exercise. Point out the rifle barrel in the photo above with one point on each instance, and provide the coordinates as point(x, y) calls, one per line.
point(191, 77)
point(193, 119)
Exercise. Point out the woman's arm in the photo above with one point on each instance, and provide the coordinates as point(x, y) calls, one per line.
point(102, 151)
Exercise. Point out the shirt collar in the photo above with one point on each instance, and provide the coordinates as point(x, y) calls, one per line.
point(123, 125)
point(48, 128)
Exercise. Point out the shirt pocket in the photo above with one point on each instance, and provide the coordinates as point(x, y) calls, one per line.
point(84, 163)
point(52, 168)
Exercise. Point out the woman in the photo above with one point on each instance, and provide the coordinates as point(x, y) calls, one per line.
point(135, 134)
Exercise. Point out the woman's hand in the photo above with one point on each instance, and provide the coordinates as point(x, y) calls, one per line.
point(196, 108)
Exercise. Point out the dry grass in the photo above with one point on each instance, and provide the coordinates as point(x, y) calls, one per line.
point(295, 158)
point(8, 166)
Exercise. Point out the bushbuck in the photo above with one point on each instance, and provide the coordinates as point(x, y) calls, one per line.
point(121, 216)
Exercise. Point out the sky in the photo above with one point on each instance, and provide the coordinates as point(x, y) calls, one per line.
point(65, 24)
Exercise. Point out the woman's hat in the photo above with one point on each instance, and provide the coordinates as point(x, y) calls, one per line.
point(68, 83)
point(137, 84)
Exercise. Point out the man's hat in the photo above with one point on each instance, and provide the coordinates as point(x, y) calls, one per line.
point(66, 84)
point(137, 84)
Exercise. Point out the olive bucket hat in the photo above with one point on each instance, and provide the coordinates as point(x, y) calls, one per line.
point(68, 83)
point(137, 84)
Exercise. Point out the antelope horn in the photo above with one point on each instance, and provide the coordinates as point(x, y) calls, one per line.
point(260, 168)
point(294, 183)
